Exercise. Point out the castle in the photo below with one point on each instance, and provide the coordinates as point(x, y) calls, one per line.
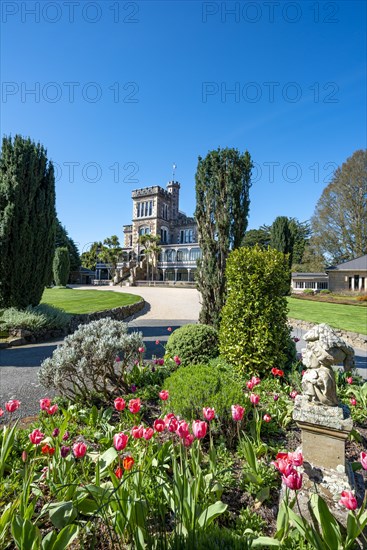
point(156, 212)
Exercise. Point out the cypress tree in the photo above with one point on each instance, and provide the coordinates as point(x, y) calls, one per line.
point(281, 237)
point(223, 180)
point(63, 239)
point(61, 266)
point(27, 222)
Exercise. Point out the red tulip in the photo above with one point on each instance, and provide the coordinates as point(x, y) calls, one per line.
point(141, 349)
point(119, 404)
point(79, 449)
point(237, 412)
point(254, 398)
point(364, 460)
point(159, 425)
point(267, 417)
point(199, 428)
point(282, 464)
point(1, 412)
point(12, 405)
point(45, 404)
point(293, 480)
point(134, 405)
point(52, 409)
point(164, 395)
point(128, 462)
point(348, 500)
point(188, 440)
point(119, 472)
point(295, 458)
point(349, 380)
point(208, 413)
point(148, 433)
point(353, 401)
point(47, 450)
point(120, 441)
point(182, 429)
point(36, 437)
point(137, 432)
point(277, 372)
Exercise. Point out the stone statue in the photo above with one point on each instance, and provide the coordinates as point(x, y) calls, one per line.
point(324, 349)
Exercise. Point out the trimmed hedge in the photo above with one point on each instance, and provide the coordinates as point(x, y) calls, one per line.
point(193, 344)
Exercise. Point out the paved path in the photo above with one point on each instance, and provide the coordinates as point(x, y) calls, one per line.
point(19, 366)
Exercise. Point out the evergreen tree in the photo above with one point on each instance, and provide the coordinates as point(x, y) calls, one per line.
point(61, 266)
point(89, 258)
point(281, 237)
point(63, 239)
point(260, 237)
point(27, 222)
point(223, 180)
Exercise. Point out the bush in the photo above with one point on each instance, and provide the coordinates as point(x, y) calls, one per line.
point(254, 336)
point(198, 386)
point(85, 363)
point(193, 344)
point(362, 298)
point(35, 319)
point(61, 266)
point(325, 291)
point(308, 292)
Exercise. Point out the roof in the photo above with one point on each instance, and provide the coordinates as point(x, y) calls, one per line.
point(358, 264)
point(307, 275)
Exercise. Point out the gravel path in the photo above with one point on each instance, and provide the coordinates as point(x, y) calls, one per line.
point(19, 366)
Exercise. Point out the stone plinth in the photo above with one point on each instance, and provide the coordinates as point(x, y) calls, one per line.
point(324, 432)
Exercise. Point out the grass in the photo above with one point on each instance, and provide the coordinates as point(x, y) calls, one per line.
point(86, 301)
point(346, 317)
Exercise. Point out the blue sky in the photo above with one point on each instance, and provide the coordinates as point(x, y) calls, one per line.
point(122, 90)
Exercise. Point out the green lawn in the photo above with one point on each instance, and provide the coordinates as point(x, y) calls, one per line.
point(86, 301)
point(346, 317)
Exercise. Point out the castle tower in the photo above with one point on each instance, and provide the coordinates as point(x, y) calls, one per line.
point(173, 187)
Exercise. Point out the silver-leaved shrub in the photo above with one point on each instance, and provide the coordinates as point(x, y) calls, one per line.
point(93, 360)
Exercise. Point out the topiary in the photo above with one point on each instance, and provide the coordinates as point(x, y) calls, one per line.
point(85, 363)
point(193, 344)
point(198, 386)
point(254, 336)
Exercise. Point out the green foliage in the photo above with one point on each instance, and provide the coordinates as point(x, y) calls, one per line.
point(254, 336)
point(308, 291)
point(197, 386)
point(249, 520)
point(27, 222)
point(259, 237)
point(61, 266)
point(282, 237)
point(89, 258)
point(63, 239)
point(326, 291)
point(223, 180)
point(35, 318)
point(215, 538)
point(193, 344)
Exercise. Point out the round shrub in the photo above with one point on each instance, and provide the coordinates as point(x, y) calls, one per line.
point(199, 386)
point(325, 291)
point(308, 292)
point(193, 344)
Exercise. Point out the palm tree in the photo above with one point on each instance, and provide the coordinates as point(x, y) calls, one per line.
point(150, 242)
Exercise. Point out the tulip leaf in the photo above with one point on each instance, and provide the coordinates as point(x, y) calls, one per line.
point(329, 526)
point(211, 512)
point(62, 513)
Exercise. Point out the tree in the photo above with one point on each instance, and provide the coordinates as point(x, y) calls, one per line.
point(61, 266)
point(339, 223)
point(223, 180)
point(63, 239)
point(111, 252)
point(311, 262)
point(89, 258)
point(151, 250)
point(301, 233)
point(27, 222)
point(260, 237)
point(281, 237)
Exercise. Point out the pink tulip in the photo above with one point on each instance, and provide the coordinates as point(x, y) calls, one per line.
point(117, 359)
point(79, 449)
point(267, 417)
point(282, 464)
point(250, 385)
point(349, 380)
point(157, 342)
point(1, 412)
point(208, 413)
point(177, 360)
point(172, 424)
point(182, 429)
point(134, 405)
point(137, 432)
point(12, 405)
point(56, 432)
point(255, 380)
point(348, 500)
point(164, 395)
point(45, 404)
point(119, 404)
point(36, 437)
point(293, 394)
point(188, 441)
point(141, 349)
point(276, 397)
point(364, 460)
point(159, 425)
point(296, 458)
point(52, 409)
point(293, 480)
point(120, 441)
point(237, 412)
point(199, 428)
point(254, 398)
point(353, 401)
point(148, 433)
point(169, 329)
point(159, 362)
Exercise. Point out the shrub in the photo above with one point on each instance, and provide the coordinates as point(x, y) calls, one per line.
point(325, 291)
point(308, 292)
point(198, 386)
point(35, 319)
point(61, 266)
point(193, 344)
point(254, 336)
point(362, 298)
point(85, 363)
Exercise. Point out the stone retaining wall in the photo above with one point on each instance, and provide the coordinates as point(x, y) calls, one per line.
point(20, 337)
point(352, 338)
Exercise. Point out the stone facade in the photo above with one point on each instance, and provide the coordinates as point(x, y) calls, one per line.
point(349, 276)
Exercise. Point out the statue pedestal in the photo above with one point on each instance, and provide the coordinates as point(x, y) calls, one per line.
point(324, 432)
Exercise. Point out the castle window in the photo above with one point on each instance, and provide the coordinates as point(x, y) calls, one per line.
point(138, 210)
point(186, 236)
point(144, 230)
point(164, 235)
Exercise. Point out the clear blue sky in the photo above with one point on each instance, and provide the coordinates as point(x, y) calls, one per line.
point(137, 86)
